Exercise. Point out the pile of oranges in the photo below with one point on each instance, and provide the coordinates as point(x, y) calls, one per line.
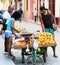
point(45, 38)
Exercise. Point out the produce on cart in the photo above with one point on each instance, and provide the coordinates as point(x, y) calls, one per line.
point(44, 40)
point(21, 30)
point(22, 43)
point(19, 43)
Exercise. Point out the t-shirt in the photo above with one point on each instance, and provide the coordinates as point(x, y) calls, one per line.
point(6, 15)
point(9, 23)
point(35, 13)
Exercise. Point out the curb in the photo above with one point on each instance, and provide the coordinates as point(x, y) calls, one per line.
point(32, 21)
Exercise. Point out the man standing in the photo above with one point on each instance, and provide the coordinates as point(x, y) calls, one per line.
point(6, 15)
point(35, 14)
point(46, 17)
point(21, 13)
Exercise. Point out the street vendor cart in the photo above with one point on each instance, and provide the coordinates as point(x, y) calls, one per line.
point(44, 40)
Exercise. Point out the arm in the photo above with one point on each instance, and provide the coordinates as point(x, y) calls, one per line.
point(41, 21)
point(52, 16)
point(13, 26)
point(54, 25)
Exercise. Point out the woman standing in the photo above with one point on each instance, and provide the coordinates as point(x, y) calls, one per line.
point(9, 30)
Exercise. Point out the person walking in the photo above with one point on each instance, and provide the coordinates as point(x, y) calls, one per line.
point(10, 30)
point(35, 15)
point(46, 18)
point(6, 15)
point(21, 13)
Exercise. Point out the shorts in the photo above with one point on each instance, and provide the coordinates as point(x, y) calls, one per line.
point(7, 33)
point(50, 31)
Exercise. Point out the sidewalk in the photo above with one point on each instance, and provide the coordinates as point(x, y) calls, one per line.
point(4, 59)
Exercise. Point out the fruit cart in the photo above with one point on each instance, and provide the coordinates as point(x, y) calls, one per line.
point(44, 40)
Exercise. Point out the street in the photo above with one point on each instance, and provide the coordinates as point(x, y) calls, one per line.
point(31, 27)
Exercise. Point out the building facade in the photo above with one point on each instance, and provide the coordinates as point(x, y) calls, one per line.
point(5, 3)
point(29, 5)
point(53, 5)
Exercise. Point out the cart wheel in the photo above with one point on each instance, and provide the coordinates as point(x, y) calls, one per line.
point(30, 60)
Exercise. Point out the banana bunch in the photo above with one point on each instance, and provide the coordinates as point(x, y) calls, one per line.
point(20, 29)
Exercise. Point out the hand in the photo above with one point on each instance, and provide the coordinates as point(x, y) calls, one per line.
point(42, 30)
point(54, 27)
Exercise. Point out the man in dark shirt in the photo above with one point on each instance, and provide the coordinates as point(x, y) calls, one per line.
point(46, 17)
point(21, 13)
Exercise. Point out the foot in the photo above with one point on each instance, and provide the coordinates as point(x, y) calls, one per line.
point(55, 56)
point(9, 54)
point(5, 53)
point(12, 57)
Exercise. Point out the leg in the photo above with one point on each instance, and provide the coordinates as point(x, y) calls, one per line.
point(20, 19)
point(54, 52)
point(35, 18)
point(9, 45)
point(6, 45)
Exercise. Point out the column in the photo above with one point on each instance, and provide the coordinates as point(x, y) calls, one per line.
point(30, 8)
point(57, 6)
point(16, 4)
point(47, 4)
point(23, 5)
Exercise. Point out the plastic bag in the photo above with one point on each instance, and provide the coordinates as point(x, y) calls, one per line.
point(35, 44)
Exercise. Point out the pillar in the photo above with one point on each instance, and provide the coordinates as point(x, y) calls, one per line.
point(30, 8)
